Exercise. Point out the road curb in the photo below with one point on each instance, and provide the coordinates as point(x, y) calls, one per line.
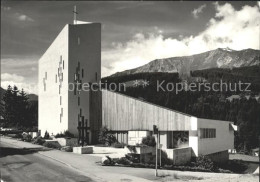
point(56, 160)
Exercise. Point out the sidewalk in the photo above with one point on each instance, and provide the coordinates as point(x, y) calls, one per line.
point(87, 165)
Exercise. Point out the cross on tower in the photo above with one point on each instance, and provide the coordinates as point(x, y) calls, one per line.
point(75, 14)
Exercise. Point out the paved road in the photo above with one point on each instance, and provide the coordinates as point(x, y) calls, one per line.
point(25, 165)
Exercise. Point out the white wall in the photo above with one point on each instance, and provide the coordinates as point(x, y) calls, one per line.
point(49, 100)
point(75, 43)
point(224, 137)
point(193, 136)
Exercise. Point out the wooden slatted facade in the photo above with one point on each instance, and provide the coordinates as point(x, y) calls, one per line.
point(124, 113)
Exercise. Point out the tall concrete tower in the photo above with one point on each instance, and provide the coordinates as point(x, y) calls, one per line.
point(73, 58)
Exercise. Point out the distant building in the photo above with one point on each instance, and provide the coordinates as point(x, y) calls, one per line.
point(132, 119)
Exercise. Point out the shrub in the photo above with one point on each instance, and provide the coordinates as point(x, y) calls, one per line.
point(18, 135)
point(27, 138)
point(54, 145)
point(106, 137)
point(38, 140)
point(46, 135)
point(109, 161)
point(135, 158)
point(236, 166)
point(124, 161)
point(149, 141)
point(204, 162)
point(65, 134)
point(66, 149)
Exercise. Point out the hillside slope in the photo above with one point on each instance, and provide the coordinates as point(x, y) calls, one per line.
point(219, 58)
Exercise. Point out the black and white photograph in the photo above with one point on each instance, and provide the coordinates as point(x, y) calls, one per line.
point(129, 91)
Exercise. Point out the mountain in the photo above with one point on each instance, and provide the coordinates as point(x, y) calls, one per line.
point(219, 58)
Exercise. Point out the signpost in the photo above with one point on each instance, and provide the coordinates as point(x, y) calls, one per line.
point(155, 131)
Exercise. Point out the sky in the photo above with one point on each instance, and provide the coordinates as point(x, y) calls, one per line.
point(133, 33)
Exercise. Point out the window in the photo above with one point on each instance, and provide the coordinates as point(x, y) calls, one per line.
point(60, 100)
point(96, 76)
point(78, 101)
point(78, 41)
point(207, 133)
point(63, 64)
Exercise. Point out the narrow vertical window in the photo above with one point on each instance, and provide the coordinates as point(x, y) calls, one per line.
point(60, 100)
point(75, 90)
point(78, 41)
point(63, 64)
point(96, 76)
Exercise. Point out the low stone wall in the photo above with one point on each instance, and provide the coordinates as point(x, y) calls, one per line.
point(179, 156)
point(219, 157)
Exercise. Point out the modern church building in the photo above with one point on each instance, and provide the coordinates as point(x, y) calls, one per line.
point(74, 58)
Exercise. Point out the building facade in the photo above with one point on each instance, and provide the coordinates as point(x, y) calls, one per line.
point(72, 60)
point(132, 119)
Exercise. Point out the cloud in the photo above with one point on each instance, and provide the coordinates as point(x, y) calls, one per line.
point(198, 10)
point(19, 81)
point(20, 71)
point(13, 77)
point(23, 17)
point(236, 29)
